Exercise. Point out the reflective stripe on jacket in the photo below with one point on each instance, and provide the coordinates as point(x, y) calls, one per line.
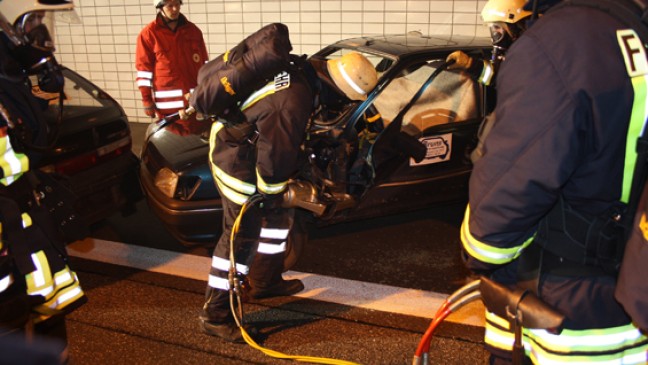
point(167, 63)
point(280, 111)
point(617, 345)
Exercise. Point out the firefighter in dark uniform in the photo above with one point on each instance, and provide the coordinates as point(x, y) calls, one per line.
point(547, 193)
point(37, 287)
point(262, 162)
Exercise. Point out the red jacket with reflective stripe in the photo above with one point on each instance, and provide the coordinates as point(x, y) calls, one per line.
point(167, 63)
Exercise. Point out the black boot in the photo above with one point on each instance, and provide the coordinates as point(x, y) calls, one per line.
point(266, 280)
point(216, 318)
point(283, 287)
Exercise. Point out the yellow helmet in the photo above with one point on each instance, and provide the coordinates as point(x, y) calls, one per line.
point(507, 11)
point(354, 74)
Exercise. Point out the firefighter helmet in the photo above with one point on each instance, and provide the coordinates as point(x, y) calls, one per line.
point(507, 11)
point(160, 3)
point(354, 74)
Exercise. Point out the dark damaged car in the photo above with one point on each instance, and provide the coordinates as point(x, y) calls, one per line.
point(90, 149)
point(420, 158)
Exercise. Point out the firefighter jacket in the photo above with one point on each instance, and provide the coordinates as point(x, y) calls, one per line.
point(167, 63)
point(36, 282)
point(561, 134)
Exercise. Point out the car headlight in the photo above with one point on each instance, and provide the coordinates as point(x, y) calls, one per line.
point(167, 181)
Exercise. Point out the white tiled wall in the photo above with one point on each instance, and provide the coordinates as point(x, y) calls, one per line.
point(102, 48)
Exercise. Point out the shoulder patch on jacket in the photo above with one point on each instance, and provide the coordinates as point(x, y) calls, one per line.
point(633, 52)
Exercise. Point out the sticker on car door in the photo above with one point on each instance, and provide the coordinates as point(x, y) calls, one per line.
point(438, 149)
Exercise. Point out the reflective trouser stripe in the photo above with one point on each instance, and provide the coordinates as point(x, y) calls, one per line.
point(617, 345)
point(223, 265)
point(5, 282)
point(235, 190)
point(145, 83)
point(218, 283)
point(266, 246)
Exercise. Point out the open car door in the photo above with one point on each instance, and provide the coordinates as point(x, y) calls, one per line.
point(442, 115)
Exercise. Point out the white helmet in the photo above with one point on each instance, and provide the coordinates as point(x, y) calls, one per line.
point(160, 3)
point(354, 74)
point(507, 11)
point(14, 9)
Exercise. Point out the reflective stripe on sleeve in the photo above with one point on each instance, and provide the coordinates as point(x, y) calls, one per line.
point(145, 74)
point(270, 188)
point(485, 252)
point(145, 83)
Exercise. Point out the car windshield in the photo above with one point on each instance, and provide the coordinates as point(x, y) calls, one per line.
point(81, 97)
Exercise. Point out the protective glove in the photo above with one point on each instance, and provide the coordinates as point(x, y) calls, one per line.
point(149, 110)
point(461, 61)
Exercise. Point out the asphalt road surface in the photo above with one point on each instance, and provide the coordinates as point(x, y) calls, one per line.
point(372, 288)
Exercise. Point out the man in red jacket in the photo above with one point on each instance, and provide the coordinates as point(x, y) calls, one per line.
point(170, 51)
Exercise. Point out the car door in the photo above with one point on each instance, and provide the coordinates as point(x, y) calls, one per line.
point(428, 105)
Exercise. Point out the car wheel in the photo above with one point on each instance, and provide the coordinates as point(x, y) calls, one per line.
point(296, 241)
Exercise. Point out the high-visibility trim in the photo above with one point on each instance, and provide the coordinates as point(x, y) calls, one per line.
point(175, 93)
point(636, 128)
point(281, 82)
point(221, 264)
point(607, 339)
point(222, 179)
point(270, 188)
point(348, 80)
point(274, 233)
point(26, 220)
point(485, 252)
point(11, 162)
point(145, 83)
point(179, 104)
point(5, 282)
point(271, 248)
point(618, 345)
point(145, 74)
point(39, 281)
point(487, 73)
point(226, 55)
point(269, 89)
point(218, 282)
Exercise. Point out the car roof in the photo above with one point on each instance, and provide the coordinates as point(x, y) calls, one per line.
point(399, 46)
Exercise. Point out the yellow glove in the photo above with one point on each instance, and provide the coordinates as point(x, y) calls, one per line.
point(462, 61)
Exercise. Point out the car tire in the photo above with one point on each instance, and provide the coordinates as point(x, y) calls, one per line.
point(297, 239)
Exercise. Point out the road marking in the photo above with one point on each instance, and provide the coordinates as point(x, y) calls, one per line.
point(354, 293)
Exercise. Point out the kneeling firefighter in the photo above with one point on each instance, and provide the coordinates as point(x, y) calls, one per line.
point(255, 149)
point(549, 194)
point(37, 287)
